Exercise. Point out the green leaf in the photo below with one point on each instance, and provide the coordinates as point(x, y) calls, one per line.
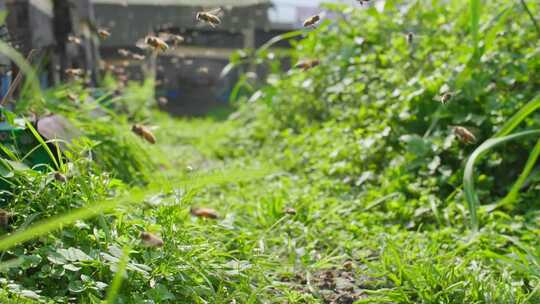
point(29, 294)
point(76, 286)
point(57, 258)
point(74, 255)
point(71, 267)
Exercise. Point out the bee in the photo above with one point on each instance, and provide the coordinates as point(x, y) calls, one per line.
point(162, 101)
point(307, 64)
point(137, 56)
point(204, 212)
point(72, 97)
point(60, 177)
point(311, 21)
point(151, 240)
point(124, 52)
point(74, 39)
point(290, 211)
point(210, 17)
point(348, 265)
point(74, 72)
point(409, 37)
point(203, 70)
point(103, 33)
point(4, 218)
point(156, 43)
point(445, 98)
point(464, 135)
point(143, 132)
point(362, 2)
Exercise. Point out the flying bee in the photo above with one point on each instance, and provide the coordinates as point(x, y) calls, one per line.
point(311, 21)
point(72, 97)
point(445, 98)
point(144, 132)
point(74, 39)
point(210, 17)
point(464, 135)
point(410, 37)
point(162, 101)
point(60, 177)
point(103, 33)
point(204, 212)
point(290, 211)
point(124, 52)
point(203, 70)
point(151, 240)
point(307, 64)
point(74, 72)
point(156, 43)
point(362, 2)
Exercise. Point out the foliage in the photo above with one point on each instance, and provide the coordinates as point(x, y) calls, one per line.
point(366, 203)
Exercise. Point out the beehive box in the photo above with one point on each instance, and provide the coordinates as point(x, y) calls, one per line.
point(30, 24)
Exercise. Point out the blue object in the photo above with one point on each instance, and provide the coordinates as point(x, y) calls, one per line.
point(173, 94)
point(44, 80)
point(5, 82)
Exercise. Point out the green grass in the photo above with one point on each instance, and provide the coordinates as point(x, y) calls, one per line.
point(341, 184)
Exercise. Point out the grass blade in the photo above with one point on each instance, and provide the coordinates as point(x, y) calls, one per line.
point(24, 66)
point(475, 25)
point(279, 38)
point(512, 195)
point(43, 144)
point(468, 177)
point(525, 111)
point(531, 16)
point(118, 277)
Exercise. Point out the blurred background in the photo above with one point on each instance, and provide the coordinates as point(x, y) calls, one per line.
point(58, 35)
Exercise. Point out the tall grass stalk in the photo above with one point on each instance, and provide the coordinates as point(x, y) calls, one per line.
point(531, 16)
point(43, 144)
point(475, 26)
point(499, 138)
point(468, 179)
point(531, 161)
point(118, 277)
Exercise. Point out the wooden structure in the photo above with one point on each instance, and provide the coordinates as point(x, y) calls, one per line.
point(43, 27)
point(29, 23)
point(188, 76)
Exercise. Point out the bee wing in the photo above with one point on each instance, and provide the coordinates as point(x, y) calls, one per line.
point(165, 36)
point(141, 44)
point(216, 12)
